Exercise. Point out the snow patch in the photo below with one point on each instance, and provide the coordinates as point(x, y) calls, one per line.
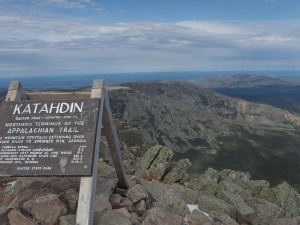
point(11, 184)
point(196, 207)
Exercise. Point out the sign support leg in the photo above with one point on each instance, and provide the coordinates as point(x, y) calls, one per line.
point(86, 201)
point(113, 143)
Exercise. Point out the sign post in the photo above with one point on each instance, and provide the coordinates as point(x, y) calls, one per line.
point(58, 134)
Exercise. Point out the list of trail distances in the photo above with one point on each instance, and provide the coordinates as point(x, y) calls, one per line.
point(48, 138)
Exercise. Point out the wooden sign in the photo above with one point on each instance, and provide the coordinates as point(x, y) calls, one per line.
point(48, 138)
point(60, 136)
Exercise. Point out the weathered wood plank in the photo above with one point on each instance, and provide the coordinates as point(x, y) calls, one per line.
point(15, 91)
point(113, 143)
point(86, 202)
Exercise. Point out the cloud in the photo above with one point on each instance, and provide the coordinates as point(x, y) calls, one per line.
point(64, 3)
point(40, 45)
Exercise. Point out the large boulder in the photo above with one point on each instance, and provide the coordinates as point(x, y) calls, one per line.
point(17, 218)
point(285, 197)
point(67, 220)
point(222, 218)
point(187, 194)
point(137, 193)
point(154, 163)
point(211, 203)
point(232, 188)
point(265, 212)
point(71, 198)
point(46, 208)
point(243, 210)
point(166, 197)
point(4, 211)
point(206, 182)
point(113, 217)
point(156, 216)
point(257, 186)
point(237, 177)
point(287, 221)
point(199, 218)
point(178, 172)
point(105, 187)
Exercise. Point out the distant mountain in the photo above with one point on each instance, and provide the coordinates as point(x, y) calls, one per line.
point(242, 81)
point(185, 115)
point(210, 129)
point(260, 89)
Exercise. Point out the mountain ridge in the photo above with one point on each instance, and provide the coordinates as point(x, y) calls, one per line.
point(157, 106)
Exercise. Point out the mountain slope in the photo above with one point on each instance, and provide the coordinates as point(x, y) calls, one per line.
point(211, 129)
point(183, 116)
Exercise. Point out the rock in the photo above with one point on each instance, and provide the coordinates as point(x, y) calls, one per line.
point(124, 212)
point(17, 218)
point(206, 203)
point(31, 190)
point(4, 211)
point(166, 197)
point(66, 183)
point(160, 163)
point(137, 193)
point(156, 216)
point(135, 219)
point(140, 207)
point(102, 202)
point(112, 217)
point(71, 197)
point(105, 188)
point(287, 221)
point(46, 209)
point(178, 171)
point(243, 210)
point(198, 218)
point(240, 178)
point(154, 163)
point(147, 159)
point(257, 186)
point(285, 197)
point(10, 192)
point(176, 219)
point(104, 153)
point(232, 188)
point(67, 220)
point(117, 202)
point(187, 194)
point(26, 181)
point(265, 212)
point(206, 182)
point(222, 218)
point(106, 171)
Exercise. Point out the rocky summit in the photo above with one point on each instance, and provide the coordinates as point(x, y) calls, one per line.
point(160, 193)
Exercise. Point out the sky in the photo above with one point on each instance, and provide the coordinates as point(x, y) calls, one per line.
point(65, 37)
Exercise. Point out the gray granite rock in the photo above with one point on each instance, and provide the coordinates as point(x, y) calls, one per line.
point(166, 197)
point(46, 208)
